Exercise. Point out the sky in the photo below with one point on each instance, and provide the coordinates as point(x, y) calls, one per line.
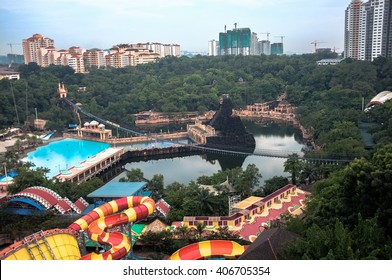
point(190, 23)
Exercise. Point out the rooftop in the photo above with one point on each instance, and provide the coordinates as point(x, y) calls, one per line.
point(118, 189)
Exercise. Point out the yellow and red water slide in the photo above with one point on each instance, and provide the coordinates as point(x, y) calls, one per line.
point(107, 216)
point(209, 249)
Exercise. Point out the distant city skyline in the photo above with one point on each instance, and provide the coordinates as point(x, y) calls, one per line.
point(190, 23)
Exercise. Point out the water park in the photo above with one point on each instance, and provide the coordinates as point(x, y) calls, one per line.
point(123, 211)
point(46, 137)
point(114, 222)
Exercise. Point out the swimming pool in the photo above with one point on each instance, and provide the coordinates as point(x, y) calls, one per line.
point(63, 154)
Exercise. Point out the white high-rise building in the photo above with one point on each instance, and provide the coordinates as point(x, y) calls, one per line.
point(378, 24)
point(213, 48)
point(265, 47)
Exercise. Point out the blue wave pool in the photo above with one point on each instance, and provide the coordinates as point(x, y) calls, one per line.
point(63, 154)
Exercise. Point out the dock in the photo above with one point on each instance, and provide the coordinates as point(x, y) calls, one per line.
point(91, 167)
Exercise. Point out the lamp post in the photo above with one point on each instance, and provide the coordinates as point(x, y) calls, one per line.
point(6, 176)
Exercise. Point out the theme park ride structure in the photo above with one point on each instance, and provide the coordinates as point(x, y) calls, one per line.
point(62, 244)
point(106, 216)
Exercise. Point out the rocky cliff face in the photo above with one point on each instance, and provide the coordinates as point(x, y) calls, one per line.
point(230, 131)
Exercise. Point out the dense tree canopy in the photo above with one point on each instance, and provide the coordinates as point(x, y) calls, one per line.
point(349, 214)
point(195, 84)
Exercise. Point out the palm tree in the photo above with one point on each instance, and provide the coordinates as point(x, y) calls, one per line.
point(206, 202)
point(294, 165)
point(11, 159)
point(310, 172)
point(200, 227)
point(183, 232)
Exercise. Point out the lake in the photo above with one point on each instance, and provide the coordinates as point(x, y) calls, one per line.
point(270, 136)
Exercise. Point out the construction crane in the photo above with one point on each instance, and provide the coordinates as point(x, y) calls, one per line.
point(11, 52)
point(281, 38)
point(268, 33)
point(315, 42)
point(12, 44)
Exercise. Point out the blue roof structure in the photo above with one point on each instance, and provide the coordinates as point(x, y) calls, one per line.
point(120, 189)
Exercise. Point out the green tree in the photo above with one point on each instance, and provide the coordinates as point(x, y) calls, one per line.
point(156, 185)
point(273, 184)
point(133, 175)
point(348, 215)
point(294, 165)
point(28, 177)
point(11, 159)
point(206, 202)
point(200, 229)
point(245, 181)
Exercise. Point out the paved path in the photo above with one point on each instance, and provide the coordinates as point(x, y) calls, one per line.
point(6, 143)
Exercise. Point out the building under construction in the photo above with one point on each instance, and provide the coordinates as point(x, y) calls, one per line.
point(237, 41)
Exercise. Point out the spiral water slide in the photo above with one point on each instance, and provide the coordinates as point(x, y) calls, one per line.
point(114, 213)
point(209, 249)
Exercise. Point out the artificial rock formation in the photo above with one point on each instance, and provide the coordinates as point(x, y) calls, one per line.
point(230, 132)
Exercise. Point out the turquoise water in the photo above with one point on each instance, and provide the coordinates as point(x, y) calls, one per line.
point(63, 154)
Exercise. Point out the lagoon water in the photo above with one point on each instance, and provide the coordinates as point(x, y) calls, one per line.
point(271, 136)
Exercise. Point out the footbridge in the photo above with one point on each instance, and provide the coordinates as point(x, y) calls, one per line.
point(78, 109)
point(331, 159)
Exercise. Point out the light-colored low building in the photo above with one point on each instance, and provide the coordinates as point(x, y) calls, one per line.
point(94, 130)
point(329, 61)
point(10, 75)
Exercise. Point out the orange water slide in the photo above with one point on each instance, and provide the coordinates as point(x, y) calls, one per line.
point(109, 215)
point(208, 249)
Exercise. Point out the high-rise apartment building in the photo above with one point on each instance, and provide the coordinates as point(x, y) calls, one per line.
point(352, 29)
point(368, 29)
point(94, 58)
point(161, 49)
point(171, 50)
point(32, 48)
point(236, 41)
point(387, 29)
point(265, 47)
point(41, 50)
point(254, 44)
point(213, 48)
point(239, 41)
point(277, 48)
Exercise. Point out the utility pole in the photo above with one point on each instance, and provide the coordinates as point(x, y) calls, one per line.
point(27, 108)
point(16, 109)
